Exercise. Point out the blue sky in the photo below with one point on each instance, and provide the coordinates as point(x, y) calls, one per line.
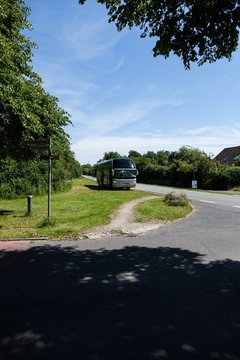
point(120, 97)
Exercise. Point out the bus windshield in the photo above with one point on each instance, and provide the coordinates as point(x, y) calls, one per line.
point(123, 164)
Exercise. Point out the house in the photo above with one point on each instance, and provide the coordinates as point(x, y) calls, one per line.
point(229, 155)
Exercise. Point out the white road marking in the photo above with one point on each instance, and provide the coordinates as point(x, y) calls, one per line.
point(209, 202)
point(236, 206)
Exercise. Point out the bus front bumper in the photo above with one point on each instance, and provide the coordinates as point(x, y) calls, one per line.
point(123, 183)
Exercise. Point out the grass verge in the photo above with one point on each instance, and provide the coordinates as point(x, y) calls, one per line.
point(157, 209)
point(75, 211)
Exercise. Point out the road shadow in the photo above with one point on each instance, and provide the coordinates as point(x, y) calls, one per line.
point(132, 303)
point(96, 187)
point(5, 212)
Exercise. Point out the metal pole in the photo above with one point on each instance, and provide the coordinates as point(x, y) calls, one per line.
point(49, 180)
point(29, 204)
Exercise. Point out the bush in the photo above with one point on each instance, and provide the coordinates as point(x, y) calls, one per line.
point(232, 176)
point(176, 199)
point(153, 174)
point(21, 178)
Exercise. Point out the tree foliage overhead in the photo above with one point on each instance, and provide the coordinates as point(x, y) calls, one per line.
point(195, 30)
point(27, 111)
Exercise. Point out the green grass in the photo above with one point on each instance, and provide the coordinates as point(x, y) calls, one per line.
point(78, 210)
point(75, 211)
point(159, 210)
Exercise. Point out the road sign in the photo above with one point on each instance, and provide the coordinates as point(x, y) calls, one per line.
point(39, 144)
point(194, 184)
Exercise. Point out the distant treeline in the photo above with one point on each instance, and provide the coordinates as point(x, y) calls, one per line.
point(179, 168)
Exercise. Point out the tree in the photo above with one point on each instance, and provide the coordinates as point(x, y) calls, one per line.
point(134, 154)
point(237, 161)
point(111, 155)
point(195, 30)
point(152, 156)
point(188, 162)
point(27, 111)
point(87, 169)
point(163, 157)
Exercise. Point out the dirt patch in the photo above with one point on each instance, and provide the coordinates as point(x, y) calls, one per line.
point(122, 223)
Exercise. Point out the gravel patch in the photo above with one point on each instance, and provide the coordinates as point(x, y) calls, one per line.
point(122, 223)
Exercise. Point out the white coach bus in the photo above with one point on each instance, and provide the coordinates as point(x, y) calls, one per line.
point(116, 173)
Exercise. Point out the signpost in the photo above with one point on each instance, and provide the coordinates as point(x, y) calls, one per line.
point(40, 145)
point(194, 181)
point(49, 179)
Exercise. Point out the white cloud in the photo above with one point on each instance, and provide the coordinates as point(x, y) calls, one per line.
point(216, 131)
point(106, 120)
point(105, 96)
point(200, 130)
point(90, 40)
point(91, 149)
point(117, 66)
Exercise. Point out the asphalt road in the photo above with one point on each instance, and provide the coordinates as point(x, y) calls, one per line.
point(218, 198)
point(173, 293)
point(221, 199)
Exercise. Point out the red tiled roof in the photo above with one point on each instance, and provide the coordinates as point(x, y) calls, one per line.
point(228, 155)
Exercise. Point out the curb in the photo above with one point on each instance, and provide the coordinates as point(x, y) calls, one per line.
point(23, 239)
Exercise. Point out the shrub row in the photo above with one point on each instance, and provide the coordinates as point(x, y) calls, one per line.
point(21, 178)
